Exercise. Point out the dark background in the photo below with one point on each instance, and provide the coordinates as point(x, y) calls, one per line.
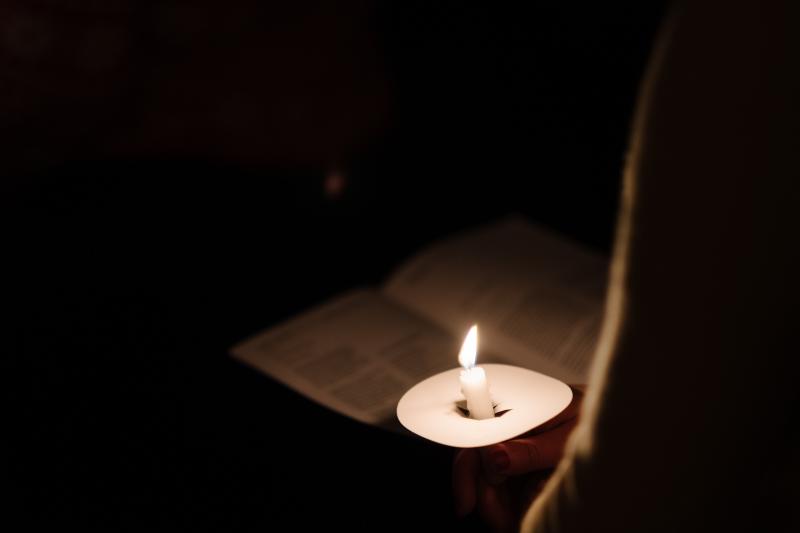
point(164, 196)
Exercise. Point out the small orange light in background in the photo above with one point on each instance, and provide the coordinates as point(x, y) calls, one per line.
point(334, 185)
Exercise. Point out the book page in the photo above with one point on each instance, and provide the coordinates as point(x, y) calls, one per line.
point(536, 297)
point(357, 355)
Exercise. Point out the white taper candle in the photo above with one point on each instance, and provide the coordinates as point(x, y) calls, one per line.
point(474, 385)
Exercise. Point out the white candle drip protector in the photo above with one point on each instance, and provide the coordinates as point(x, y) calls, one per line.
point(524, 399)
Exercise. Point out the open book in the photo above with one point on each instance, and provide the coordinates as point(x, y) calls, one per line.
point(536, 297)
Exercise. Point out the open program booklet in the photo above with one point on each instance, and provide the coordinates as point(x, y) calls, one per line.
point(537, 299)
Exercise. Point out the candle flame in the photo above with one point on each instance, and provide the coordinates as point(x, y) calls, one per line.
point(469, 350)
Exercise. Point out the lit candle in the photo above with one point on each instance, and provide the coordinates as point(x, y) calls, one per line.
point(473, 379)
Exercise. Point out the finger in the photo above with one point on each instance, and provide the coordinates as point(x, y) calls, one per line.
point(495, 507)
point(530, 454)
point(490, 474)
point(466, 469)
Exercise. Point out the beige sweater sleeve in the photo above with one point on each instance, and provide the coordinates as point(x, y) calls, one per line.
point(687, 423)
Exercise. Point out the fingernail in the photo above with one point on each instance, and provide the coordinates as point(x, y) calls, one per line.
point(500, 460)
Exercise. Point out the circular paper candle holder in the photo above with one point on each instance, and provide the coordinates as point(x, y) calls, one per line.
point(436, 410)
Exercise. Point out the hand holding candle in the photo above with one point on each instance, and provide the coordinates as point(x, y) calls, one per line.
point(473, 379)
point(500, 481)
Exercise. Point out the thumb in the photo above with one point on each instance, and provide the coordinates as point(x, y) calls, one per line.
point(537, 452)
